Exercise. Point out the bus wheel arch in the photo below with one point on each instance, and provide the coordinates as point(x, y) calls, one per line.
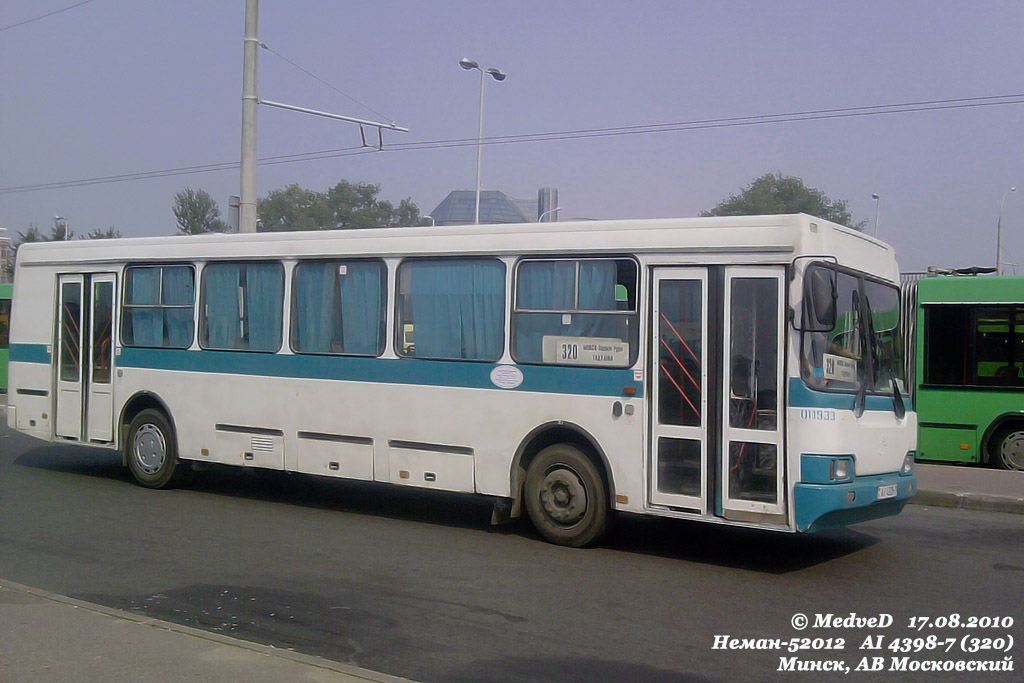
point(142, 400)
point(145, 419)
point(574, 448)
point(1003, 443)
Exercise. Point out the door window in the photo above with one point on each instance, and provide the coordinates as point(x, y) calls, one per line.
point(102, 331)
point(71, 331)
point(754, 354)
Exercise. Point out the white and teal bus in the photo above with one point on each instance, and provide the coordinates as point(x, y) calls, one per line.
point(738, 370)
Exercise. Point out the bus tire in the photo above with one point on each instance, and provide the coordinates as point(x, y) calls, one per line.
point(151, 451)
point(1008, 448)
point(566, 497)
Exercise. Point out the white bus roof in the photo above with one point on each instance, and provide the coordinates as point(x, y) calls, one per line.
point(788, 236)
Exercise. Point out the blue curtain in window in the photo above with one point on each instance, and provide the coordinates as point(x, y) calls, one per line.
point(362, 308)
point(223, 317)
point(178, 290)
point(263, 301)
point(314, 306)
point(597, 285)
point(597, 293)
point(547, 285)
point(458, 309)
point(550, 286)
point(542, 286)
point(147, 323)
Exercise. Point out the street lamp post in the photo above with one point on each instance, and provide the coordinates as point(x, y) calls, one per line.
point(999, 233)
point(540, 218)
point(878, 201)
point(498, 75)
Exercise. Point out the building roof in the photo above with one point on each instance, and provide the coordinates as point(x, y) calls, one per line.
point(459, 206)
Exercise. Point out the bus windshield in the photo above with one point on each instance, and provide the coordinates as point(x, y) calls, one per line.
point(863, 350)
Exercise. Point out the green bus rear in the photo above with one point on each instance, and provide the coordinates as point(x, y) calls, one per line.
point(969, 370)
point(5, 332)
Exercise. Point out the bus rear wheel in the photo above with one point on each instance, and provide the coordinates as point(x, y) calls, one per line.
point(1008, 451)
point(152, 451)
point(566, 496)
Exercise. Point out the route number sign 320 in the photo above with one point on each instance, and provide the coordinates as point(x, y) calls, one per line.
point(585, 351)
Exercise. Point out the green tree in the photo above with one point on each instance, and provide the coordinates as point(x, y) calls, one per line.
point(60, 231)
point(196, 212)
point(346, 205)
point(33, 234)
point(774, 193)
point(110, 233)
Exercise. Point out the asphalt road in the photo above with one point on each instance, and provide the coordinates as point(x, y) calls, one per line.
point(418, 584)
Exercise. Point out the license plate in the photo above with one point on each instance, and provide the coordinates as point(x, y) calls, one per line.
point(887, 491)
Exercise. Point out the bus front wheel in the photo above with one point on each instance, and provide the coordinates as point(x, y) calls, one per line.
point(152, 451)
point(566, 497)
point(1008, 451)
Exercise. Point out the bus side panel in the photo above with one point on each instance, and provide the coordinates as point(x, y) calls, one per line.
point(30, 372)
point(955, 420)
point(453, 438)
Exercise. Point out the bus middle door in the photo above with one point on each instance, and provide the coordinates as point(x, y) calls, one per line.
point(85, 400)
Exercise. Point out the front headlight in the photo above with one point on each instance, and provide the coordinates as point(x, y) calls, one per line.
point(908, 464)
point(840, 469)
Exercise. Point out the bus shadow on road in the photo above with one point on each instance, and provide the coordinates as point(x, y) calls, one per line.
point(755, 550)
point(92, 462)
point(350, 496)
point(688, 541)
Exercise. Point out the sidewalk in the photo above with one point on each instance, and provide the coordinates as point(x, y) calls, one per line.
point(47, 637)
point(969, 488)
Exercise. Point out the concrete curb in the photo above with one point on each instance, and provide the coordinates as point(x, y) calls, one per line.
point(265, 650)
point(969, 501)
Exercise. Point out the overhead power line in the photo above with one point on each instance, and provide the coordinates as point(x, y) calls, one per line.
point(44, 16)
point(586, 133)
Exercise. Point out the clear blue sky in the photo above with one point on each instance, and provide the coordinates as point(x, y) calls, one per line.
point(120, 86)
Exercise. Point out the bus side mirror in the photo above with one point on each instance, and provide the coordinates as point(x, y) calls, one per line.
point(819, 314)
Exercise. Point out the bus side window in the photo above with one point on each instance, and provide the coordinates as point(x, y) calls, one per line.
point(456, 306)
point(243, 306)
point(559, 301)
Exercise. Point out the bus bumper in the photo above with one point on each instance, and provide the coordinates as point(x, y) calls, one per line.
point(825, 506)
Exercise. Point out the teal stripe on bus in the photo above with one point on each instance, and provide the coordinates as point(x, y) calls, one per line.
point(538, 378)
point(30, 353)
point(802, 396)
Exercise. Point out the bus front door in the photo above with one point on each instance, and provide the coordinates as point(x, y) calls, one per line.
point(85, 334)
point(716, 434)
point(679, 463)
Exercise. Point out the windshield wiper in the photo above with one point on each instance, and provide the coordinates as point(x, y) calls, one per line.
point(866, 368)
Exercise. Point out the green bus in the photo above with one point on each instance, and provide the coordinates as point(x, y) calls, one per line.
point(5, 331)
point(966, 363)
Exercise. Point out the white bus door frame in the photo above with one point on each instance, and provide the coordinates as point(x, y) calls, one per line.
point(717, 352)
point(84, 362)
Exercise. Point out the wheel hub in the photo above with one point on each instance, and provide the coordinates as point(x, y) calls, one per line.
point(563, 496)
point(1011, 451)
point(149, 448)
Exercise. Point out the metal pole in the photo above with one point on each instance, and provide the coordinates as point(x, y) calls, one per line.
point(999, 233)
point(878, 202)
point(479, 148)
point(250, 101)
